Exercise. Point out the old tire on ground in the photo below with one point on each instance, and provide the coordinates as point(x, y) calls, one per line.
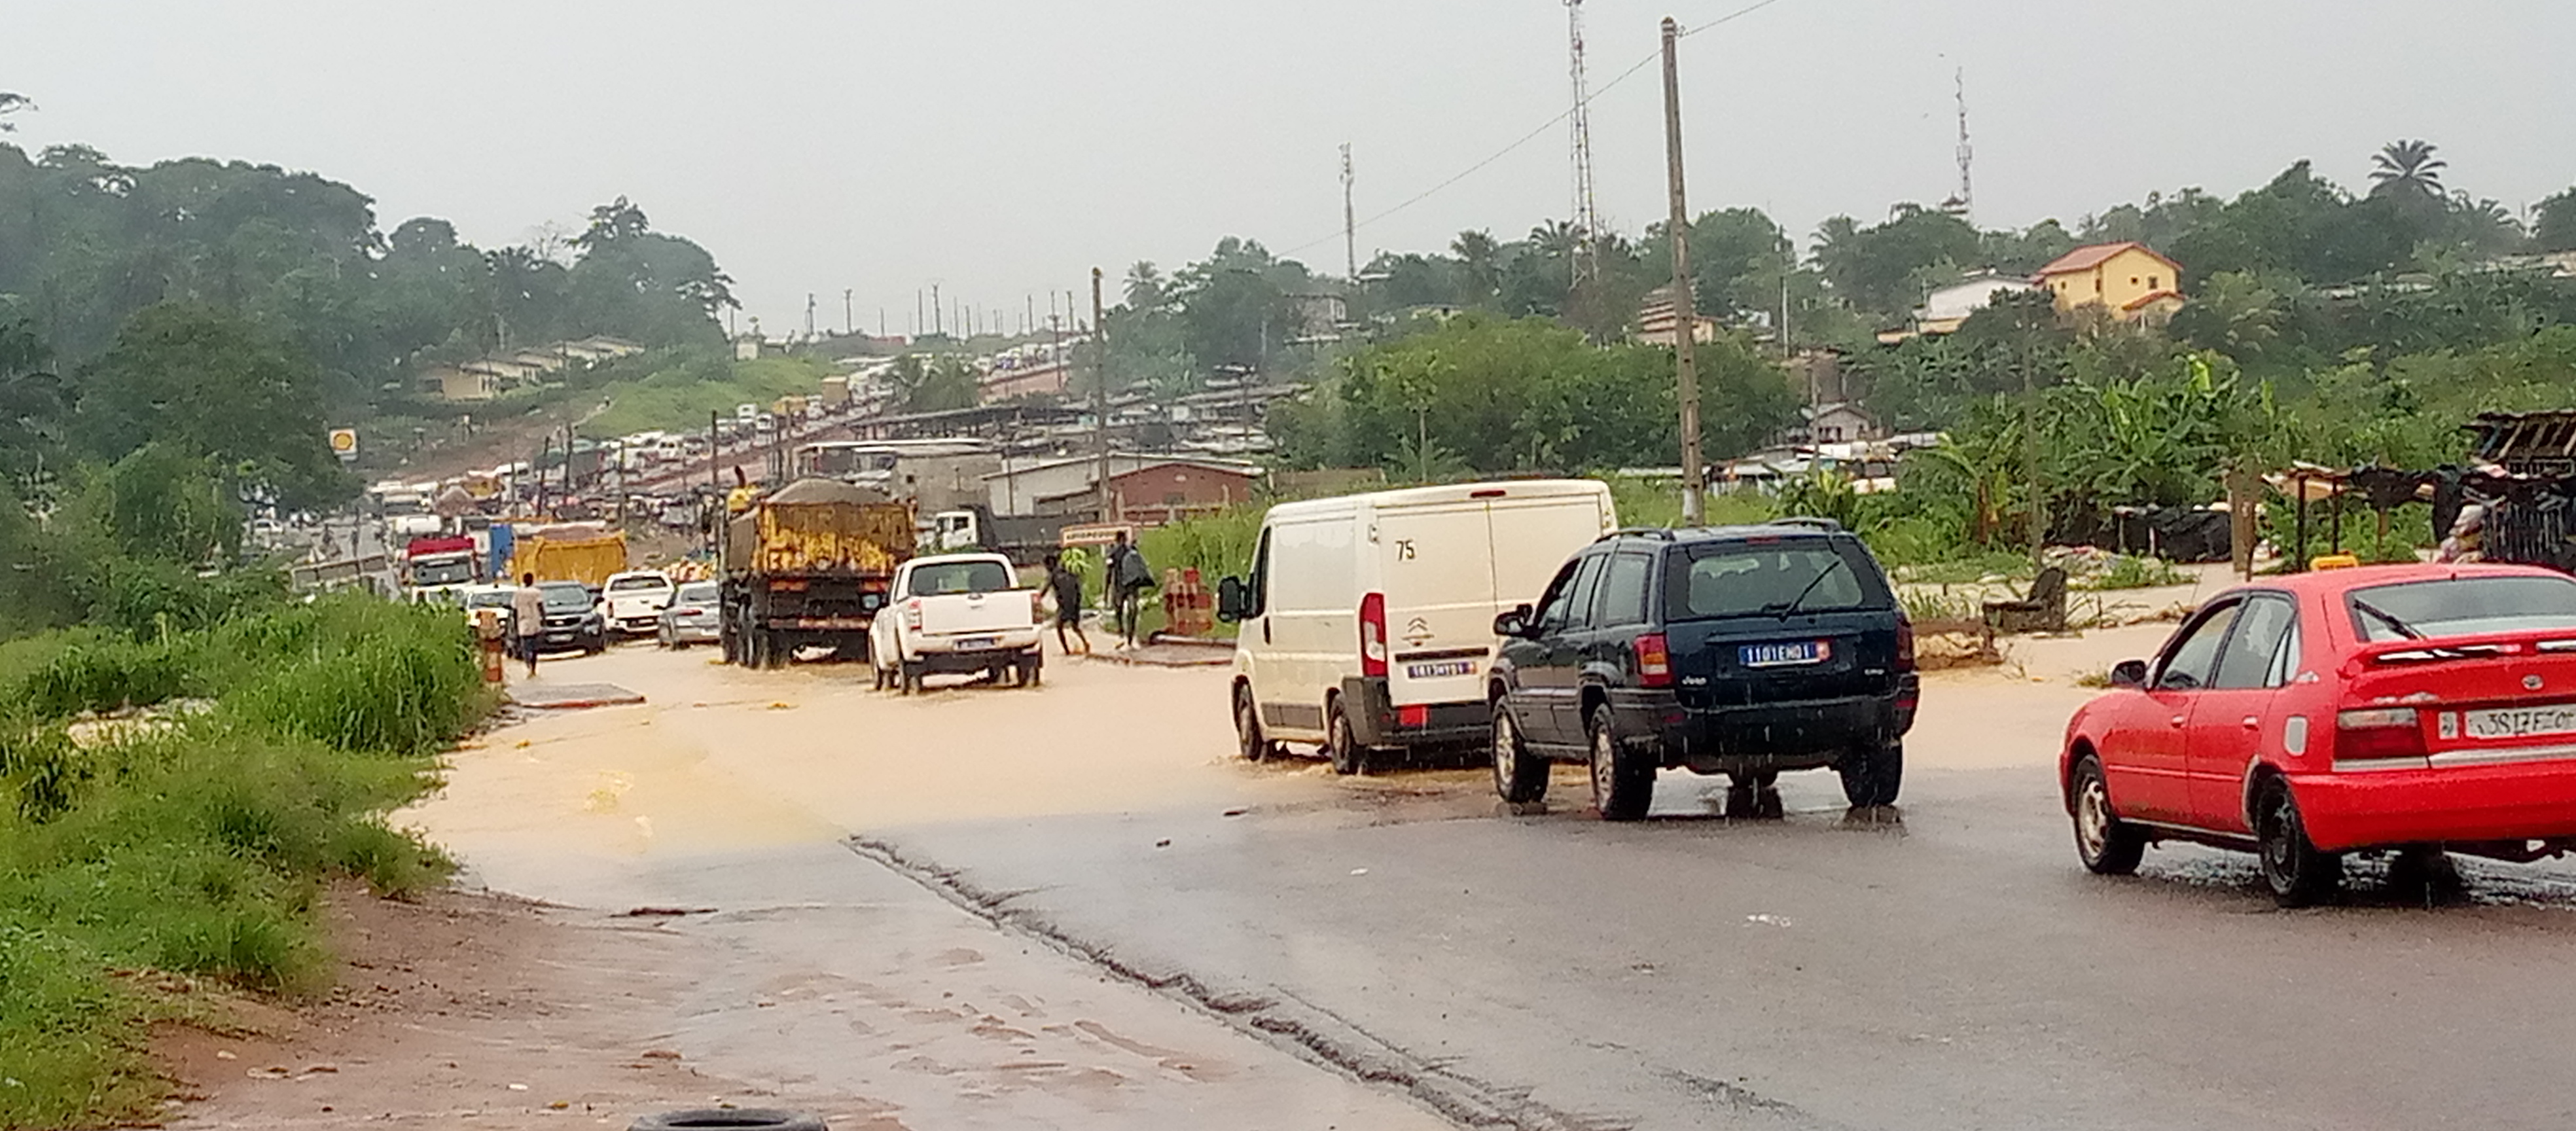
point(1519, 775)
point(1872, 774)
point(1342, 742)
point(2297, 873)
point(2108, 845)
point(1250, 743)
point(759, 1119)
point(1623, 779)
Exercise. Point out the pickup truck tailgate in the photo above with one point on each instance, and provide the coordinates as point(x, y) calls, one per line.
point(969, 614)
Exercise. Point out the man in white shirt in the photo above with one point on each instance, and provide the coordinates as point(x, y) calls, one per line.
point(528, 618)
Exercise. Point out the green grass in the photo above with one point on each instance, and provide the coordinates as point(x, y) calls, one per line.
point(199, 848)
point(2127, 572)
point(679, 398)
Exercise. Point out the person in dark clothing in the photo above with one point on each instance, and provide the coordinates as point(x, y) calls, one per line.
point(1129, 577)
point(1067, 587)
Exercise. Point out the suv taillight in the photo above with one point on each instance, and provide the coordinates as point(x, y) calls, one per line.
point(1373, 635)
point(2379, 732)
point(912, 614)
point(1904, 645)
point(1654, 661)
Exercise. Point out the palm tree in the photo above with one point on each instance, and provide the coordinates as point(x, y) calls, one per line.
point(1147, 289)
point(1481, 258)
point(10, 104)
point(2408, 166)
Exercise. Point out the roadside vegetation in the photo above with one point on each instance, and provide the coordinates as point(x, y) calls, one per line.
point(171, 803)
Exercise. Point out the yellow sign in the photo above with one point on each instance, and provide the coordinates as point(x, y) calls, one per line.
point(344, 442)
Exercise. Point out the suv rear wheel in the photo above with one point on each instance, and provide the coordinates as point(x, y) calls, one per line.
point(1872, 773)
point(1623, 780)
point(1519, 775)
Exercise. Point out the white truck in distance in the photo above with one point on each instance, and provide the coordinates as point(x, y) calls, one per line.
point(956, 613)
point(632, 602)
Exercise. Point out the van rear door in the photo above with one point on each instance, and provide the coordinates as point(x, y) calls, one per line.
point(1451, 567)
point(1438, 576)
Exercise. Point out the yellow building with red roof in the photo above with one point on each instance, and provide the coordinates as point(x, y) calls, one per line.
point(2129, 279)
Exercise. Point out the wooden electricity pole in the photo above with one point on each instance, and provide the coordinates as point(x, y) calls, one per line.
point(1100, 395)
point(1685, 304)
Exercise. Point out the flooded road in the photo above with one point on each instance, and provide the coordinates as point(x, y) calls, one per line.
point(1413, 946)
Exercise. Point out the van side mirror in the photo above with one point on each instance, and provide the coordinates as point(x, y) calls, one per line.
point(1513, 623)
point(2129, 673)
point(1230, 600)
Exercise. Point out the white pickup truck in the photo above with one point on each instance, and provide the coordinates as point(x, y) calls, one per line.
point(956, 613)
point(633, 601)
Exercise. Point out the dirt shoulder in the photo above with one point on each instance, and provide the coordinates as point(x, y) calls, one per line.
point(466, 1011)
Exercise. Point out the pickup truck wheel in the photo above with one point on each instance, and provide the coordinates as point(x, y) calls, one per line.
point(1519, 775)
point(1342, 744)
point(1872, 774)
point(1249, 742)
point(1623, 781)
point(911, 680)
point(1032, 671)
point(2107, 845)
point(2298, 874)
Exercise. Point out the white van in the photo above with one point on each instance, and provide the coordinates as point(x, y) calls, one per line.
point(1368, 621)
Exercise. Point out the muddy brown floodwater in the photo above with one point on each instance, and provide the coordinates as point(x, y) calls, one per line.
point(1073, 907)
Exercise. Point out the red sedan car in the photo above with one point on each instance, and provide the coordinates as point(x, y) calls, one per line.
point(2416, 708)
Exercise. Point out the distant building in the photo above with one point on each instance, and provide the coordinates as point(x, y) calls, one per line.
point(1657, 319)
point(1841, 422)
point(454, 383)
point(1151, 489)
point(1947, 308)
point(2129, 280)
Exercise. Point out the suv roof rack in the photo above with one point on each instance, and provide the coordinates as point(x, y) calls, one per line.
point(1662, 532)
point(1809, 521)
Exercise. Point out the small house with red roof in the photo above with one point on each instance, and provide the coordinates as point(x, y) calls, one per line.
point(2128, 279)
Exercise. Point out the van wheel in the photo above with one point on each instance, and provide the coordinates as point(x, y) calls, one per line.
point(2298, 874)
point(1519, 776)
point(1623, 781)
point(1342, 743)
point(1249, 742)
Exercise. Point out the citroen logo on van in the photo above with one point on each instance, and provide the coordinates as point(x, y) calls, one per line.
point(1416, 631)
point(2531, 683)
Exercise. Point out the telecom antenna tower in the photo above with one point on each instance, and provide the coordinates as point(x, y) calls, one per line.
point(1587, 217)
point(1964, 205)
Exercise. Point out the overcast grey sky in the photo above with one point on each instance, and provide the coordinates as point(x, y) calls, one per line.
point(1002, 148)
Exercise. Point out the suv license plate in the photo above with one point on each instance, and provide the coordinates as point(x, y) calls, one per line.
point(1785, 655)
point(977, 643)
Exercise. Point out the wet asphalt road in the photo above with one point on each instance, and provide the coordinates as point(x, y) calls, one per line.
point(1954, 970)
point(1949, 966)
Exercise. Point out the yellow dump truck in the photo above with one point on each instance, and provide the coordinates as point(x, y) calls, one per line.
point(585, 552)
point(810, 566)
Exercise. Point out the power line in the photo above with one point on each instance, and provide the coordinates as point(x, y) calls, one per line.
point(1526, 138)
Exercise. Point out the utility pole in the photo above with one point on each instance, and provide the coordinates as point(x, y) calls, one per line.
point(1100, 395)
point(1350, 218)
point(917, 312)
point(849, 313)
point(809, 316)
point(938, 315)
point(2030, 462)
point(1685, 304)
point(715, 492)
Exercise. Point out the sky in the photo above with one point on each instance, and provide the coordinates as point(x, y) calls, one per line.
point(1000, 149)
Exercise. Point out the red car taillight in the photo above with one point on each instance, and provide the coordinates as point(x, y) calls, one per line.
point(1654, 661)
point(688, 612)
point(1373, 635)
point(912, 614)
point(1904, 645)
point(1037, 606)
point(2379, 732)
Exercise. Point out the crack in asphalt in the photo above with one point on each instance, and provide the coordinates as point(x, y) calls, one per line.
point(1312, 1033)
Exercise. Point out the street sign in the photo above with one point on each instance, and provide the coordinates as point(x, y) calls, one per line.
point(344, 443)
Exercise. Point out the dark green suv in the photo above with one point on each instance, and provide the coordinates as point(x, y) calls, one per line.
point(1744, 651)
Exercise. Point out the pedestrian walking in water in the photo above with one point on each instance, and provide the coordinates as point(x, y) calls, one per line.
point(528, 619)
point(1129, 576)
point(1067, 587)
